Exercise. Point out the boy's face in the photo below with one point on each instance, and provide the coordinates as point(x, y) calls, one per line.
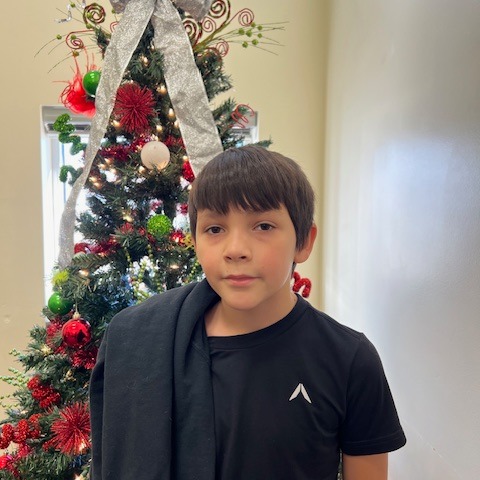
point(247, 257)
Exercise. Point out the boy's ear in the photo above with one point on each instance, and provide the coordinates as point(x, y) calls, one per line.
point(303, 253)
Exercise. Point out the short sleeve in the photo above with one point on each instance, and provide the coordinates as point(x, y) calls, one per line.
point(371, 424)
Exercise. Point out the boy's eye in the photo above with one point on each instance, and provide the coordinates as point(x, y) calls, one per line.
point(264, 227)
point(213, 230)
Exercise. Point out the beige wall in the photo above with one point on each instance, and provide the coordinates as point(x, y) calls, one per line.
point(287, 89)
point(24, 86)
point(402, 246)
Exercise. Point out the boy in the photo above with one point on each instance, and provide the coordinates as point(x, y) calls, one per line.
point(236, 377)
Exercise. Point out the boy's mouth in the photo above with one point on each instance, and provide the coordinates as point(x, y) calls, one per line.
point(239, 280)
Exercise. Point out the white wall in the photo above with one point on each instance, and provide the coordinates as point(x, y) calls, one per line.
point(292, 116)
point(402, 215)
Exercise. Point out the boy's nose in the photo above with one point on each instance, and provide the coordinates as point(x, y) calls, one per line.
point(237, 247)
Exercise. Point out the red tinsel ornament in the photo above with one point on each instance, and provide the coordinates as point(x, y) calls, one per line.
point(74, 96)
point(187, 172)
point(134, 107)
point(72, 430)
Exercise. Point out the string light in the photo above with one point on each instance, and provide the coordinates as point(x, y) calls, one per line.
point(46, 350)
point(171, 113)
point(127, 216)
point(162, 89)
point(116, 123)
point(159, 128)
point(84, 272)
point(176, 124)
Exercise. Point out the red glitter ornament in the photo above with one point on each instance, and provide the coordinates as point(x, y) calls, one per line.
point(187, 172)
point(8, 432)
point(105, 248)
point(174, 142)
point(24, 430)
point(72, 430)
point(85, 358)
point(21, 433)
point(54, 336)
point(76, 332)
point(134, 107)
point(45, 395)
point(81, 247)
point(122, 152)
point(178, 237)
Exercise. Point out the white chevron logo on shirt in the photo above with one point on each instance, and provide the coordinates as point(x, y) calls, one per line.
point(300, 389)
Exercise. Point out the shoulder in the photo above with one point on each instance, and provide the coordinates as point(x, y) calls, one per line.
point(349, 350)
point(331, 330)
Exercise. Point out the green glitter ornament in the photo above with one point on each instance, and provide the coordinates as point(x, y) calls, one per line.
point(159, 226)
point(59, 305)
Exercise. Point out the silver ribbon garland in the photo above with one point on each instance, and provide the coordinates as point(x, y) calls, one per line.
point(184, 83)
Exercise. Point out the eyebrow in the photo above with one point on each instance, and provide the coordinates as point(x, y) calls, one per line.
point(213, 214)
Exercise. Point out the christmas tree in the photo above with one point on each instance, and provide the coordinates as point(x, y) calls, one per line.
point(135, 236)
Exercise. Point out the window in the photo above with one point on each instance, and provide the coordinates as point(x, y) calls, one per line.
point(55, 193)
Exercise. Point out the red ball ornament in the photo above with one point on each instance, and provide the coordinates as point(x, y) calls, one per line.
point(76, 332)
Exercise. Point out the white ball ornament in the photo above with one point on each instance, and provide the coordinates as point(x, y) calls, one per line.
point(155, 155)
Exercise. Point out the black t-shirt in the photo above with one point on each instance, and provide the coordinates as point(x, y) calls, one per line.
point(290, 396)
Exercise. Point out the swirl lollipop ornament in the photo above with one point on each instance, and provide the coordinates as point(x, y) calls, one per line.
point(184, 82)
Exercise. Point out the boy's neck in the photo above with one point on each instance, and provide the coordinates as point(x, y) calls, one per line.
point(222, 321)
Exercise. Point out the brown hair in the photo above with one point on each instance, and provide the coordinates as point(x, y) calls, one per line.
point(253, 178)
